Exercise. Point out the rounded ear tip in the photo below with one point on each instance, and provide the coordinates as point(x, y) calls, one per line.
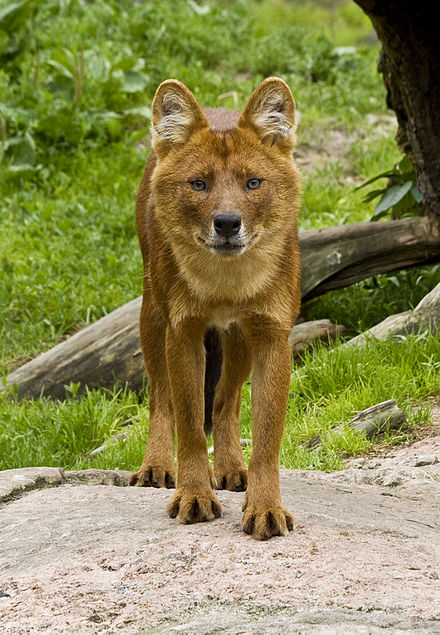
point(169, 83)
point(166, 88)
point(274, 80)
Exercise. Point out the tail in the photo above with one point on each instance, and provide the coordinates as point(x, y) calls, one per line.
point(214, 357)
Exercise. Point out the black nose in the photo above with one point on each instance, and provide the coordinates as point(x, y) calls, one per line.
point(227, 225)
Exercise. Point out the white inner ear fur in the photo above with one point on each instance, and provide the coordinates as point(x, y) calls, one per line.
point(176, 120)
point(271, 115)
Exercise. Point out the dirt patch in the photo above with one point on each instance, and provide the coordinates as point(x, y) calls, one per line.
point(334, 143)
point(364, 556)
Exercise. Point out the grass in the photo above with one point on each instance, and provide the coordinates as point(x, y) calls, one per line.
point(76, 83)
point(325, 392)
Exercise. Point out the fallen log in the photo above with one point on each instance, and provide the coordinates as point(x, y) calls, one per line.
point(108, 352)
point(373, 420)
point(426, 316)
point(340, 256)
point(303, 334)
point(103, 354)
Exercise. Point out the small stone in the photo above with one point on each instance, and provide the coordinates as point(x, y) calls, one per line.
point(425, 459)
point(389, 479)
point(358, 463)
point(94, 617)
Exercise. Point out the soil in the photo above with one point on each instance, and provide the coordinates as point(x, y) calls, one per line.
point(334, 143)
point(78, 555)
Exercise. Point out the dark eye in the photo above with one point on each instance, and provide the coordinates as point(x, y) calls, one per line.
point(198, 185)
point(253, 184)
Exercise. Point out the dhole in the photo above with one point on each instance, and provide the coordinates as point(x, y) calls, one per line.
point(216, 218)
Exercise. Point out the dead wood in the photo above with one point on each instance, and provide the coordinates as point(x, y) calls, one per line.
point(103, 354)
point(303, 334)
point(340, 256)
point(108, 352)
point(373, 420)
point(426, 316)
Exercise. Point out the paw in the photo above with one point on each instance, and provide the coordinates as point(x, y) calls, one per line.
point(150, 476)
point(275, 521)
point(233, 480)
point(194, 507)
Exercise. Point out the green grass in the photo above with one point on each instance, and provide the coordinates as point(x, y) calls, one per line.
point(76, 84)
point(325, 392)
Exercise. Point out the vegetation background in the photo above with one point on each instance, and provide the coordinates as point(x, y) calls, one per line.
point(76, 83)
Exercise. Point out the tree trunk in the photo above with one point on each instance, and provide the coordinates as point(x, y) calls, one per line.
point(410, 63)
point(108, 351)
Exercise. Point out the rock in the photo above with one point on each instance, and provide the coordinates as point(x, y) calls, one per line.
point(359, 463)
point(13, 482)
point(420, 461)
point(97, 477)
point(99, 559)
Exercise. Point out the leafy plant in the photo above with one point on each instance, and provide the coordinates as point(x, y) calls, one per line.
point(400, 196)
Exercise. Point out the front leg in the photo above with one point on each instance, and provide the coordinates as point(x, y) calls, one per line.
point(194, 500)
point(264, 515)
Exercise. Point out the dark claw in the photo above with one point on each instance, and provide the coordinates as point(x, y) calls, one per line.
point(216, 510)
point(195, 512)
point(169, 481)
point(248, 527)
point(174, 509)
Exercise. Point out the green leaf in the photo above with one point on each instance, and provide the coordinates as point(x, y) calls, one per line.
point(130, 63)
point(65, 72)
point(15, 14)
point(383, 175)
point(22, 171)
point(392, 196)
point(61, 124)
point(23, 150)
point(134, 81)
point(100, 115)
point(372, 195)
point(416, 194)
point(98, 68)
point(4, 39)
point(405, 165)
point(140, 111)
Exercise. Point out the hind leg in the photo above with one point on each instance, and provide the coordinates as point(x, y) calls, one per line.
point(229, 468)
point(157, 469)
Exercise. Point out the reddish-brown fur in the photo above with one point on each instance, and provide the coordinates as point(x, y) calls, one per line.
point(250, 293)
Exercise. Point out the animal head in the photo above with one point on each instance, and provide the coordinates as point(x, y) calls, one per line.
point(230, 188)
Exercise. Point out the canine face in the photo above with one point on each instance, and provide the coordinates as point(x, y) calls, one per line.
point(224, 191)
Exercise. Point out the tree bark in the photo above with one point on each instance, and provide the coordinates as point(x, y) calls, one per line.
point(108, 352)
point(410, 64)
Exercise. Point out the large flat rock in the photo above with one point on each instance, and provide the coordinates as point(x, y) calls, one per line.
point(76, 557)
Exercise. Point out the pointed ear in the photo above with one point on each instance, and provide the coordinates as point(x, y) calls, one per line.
point(175, 116)
point(270, 112)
